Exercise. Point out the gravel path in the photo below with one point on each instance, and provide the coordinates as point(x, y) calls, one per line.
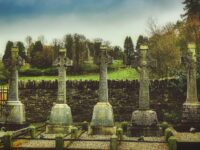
point(38, 144)
point(86, 136)
point(96, 145)
point(51, 136)
point(143, 146)
point(159, 139)
point(92, 145)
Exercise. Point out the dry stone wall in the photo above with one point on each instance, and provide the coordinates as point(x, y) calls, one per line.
point(166, 97)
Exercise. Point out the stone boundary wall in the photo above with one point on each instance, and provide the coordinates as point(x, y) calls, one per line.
point(167, 97)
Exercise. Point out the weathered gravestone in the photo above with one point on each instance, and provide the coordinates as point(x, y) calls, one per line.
point(103, 118)
point(15, 109)
point(144, 118)
point(191, 108)
point(60, 117)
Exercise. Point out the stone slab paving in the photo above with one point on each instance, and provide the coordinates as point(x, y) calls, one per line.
point(188, 137)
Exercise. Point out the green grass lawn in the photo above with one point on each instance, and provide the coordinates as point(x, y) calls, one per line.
point(120, 74)
point(117, 71)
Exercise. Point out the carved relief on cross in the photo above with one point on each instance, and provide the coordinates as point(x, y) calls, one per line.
point(142, 62)
point(190, 61)
point(62, 62)
point(190, 57)
point(104, 57)
point(15, 61)
point(142, 59)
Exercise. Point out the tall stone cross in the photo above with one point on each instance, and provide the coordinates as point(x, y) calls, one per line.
point(16, 109)
point(60, 116)
point(62, 62)
point(16, 63)
point(103, 113)
point(190, 61)
point(141, 63)
point(104, 60)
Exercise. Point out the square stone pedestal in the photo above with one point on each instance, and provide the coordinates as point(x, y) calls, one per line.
point(16, 112)
point(57, 129)
point(102, 115)
point(137, 131)
point(191, 113)
point(144, 123)
point(61, 115)
point(144, 118)
point(102, 120)
point(101, 130)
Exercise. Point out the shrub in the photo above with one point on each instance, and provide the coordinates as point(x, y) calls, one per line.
point(164, 125)
point(4, 74)
point(172, 117)
point(50, 72)
point(31, 72)
point(90, 68)
point(168, 133)
point(3, 79)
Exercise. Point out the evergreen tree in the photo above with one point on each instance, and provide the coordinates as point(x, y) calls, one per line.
point(68, 40)
point(38, 47)
point(192, 22)
point(140, 41)
point(56, 47)
point(192, 8)
point(7, 53)
point(128, 50)
point(76, 46)
point(22, 52)
point(36, 55)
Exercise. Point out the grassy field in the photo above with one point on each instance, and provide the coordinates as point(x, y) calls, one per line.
point(120, 74)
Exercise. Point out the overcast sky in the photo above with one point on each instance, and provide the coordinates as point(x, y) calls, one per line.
point(111, 20)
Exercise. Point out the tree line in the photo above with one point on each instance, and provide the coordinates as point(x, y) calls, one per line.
point(78, 48)
point(168, 43)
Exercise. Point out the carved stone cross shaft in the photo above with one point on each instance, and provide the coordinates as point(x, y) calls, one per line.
point(61, 63)
point(141, 64)
point(16, 62)
point(104, 60)
point(190, 62)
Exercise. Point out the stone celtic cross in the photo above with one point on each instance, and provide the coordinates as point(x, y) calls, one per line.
point(104, 60)
point(103, 113)
point(62, 62)
point(141, 64)
point(190, 62)
point(16, 63)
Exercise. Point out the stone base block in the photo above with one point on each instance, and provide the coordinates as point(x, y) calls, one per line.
point(16, 113)
point(102, 115)
point(137, 131)
point(58, 129)
point(145, 118)
point(101, 130)
point(191, 113)
point(60, 115)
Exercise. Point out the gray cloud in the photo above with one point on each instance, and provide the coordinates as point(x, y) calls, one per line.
point(108, 19)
